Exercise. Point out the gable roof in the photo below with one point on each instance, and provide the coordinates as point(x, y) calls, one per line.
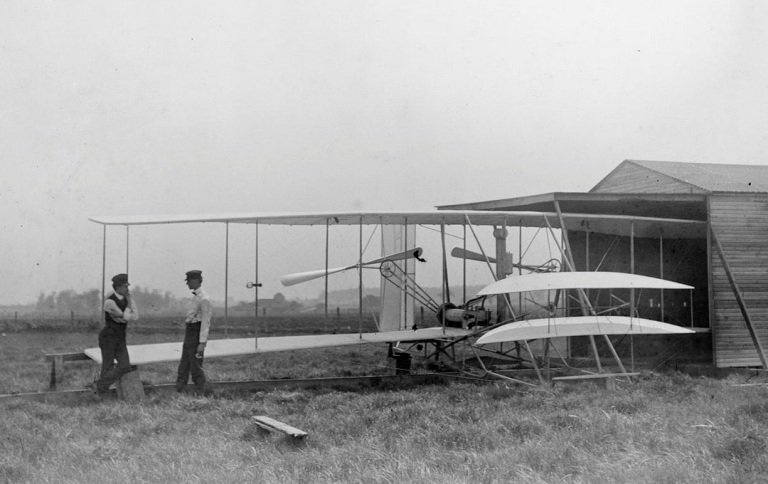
point(709, 177)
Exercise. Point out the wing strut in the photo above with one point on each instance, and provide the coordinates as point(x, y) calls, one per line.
point(103, 272)
point(256, 285)
point(582, 295)
point(327, 234)
point(506, 300)
point(360, 284)
point(226, 279)
point(485, 257)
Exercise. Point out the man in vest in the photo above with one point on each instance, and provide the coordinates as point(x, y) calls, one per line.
point(198, 322)
point(119, 309)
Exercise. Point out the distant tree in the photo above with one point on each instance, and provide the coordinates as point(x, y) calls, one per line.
point(295, 306)
point(46, 302)
point(93, 298)
point(68, 300)
point(153, 299)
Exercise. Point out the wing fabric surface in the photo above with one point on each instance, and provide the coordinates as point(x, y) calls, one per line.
point(578, 326)
point(613, 224)
point(577, 280)
point(165, 352)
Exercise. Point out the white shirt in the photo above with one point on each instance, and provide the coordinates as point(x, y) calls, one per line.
point(199, 309)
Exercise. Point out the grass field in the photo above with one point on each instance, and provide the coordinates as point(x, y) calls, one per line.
point(663, 428)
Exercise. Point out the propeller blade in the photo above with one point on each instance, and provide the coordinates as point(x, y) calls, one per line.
point(406, 254)
point(299, 277)
point(466, 254)
point(549, 266)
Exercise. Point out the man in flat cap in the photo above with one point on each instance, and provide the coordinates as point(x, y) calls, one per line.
point(198, 322)
point(119, 309)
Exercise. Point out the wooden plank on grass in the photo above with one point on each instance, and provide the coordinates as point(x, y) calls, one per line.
point(273, 425)
point(593, 376)
point(608, 379)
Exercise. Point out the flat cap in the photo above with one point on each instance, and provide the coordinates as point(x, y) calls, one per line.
point(120, 279)
point(194, 274)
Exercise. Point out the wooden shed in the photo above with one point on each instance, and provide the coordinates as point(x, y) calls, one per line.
point(727, 263)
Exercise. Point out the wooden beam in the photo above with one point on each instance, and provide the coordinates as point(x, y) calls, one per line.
point(130, 388)
point(73, 356)
point(739, 298)
point(593, 376)
point(608, 379)
point(57, 365)
point(272, 425)
point(57, 370)
point(351, 383)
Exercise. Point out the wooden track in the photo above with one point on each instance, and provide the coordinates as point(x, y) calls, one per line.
point(84, 396)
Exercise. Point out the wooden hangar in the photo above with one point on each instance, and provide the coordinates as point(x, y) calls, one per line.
point(725, 256)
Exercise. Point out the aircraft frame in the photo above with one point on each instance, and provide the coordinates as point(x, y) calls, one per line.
point(500, 221)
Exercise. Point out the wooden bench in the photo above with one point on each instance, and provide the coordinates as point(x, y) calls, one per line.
point(57, 365)
point(272, 425)
point(609, 379)
point(129, 387)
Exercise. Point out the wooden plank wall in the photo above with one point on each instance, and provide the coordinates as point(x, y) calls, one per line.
point(633, 178)
point(740, 222)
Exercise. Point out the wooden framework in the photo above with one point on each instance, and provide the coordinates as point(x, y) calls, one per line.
point(566, 222)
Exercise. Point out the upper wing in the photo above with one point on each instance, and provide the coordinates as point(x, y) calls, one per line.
point(609, 224)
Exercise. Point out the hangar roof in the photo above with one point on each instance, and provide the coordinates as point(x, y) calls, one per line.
point(701, 178)
point(710, 177)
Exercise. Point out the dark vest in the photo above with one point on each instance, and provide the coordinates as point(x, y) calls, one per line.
point(122, 304)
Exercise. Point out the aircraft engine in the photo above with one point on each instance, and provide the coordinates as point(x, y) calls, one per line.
point(467, 317)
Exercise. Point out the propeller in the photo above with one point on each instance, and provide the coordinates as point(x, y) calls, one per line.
point(552, 265)
point(469, 255)
point(299, 277)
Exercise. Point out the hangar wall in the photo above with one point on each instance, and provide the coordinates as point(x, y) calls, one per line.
point(740, 224)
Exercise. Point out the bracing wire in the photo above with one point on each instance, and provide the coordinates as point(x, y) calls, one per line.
point(368, 242)
point(427, 227)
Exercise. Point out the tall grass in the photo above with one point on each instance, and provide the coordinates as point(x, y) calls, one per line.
point(663, 428)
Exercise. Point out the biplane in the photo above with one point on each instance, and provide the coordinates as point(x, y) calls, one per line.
point(476, 322)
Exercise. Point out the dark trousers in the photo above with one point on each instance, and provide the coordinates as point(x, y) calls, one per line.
point(113, 348)
point(189, 363)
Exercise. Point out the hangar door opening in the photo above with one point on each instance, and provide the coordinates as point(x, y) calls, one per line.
point(679, 260)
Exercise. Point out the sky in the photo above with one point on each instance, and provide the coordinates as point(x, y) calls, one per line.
point(135, 108)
